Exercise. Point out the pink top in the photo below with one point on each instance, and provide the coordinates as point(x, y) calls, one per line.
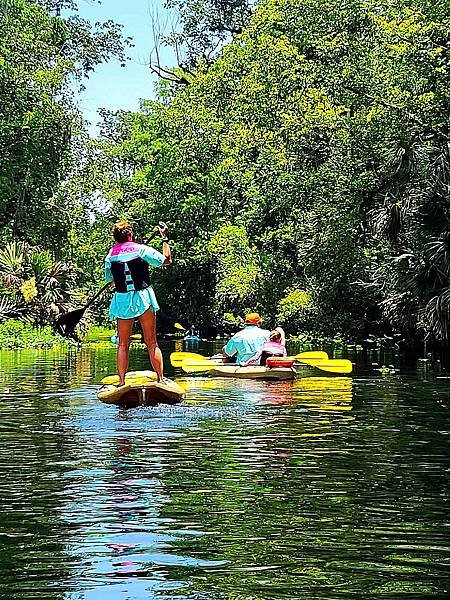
point(124, 248)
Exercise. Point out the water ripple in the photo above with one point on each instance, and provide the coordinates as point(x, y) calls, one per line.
point(318, 488)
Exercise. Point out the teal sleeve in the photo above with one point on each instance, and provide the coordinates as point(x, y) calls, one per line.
point(230, 348)
point(152, 256)
point(108, 274)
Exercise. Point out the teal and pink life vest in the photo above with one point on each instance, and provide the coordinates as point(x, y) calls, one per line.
point(127, 264)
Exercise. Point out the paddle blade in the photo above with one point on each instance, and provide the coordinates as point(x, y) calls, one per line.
point(340, 366)
point(176, 358)
point(312, 355)
point(66, 324)
point(190, 365)
point(178, 326)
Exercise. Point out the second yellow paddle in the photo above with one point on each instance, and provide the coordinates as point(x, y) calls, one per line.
point(176, 358)
point(339, 366)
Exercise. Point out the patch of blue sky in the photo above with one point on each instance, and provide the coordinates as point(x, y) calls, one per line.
point(112, 86)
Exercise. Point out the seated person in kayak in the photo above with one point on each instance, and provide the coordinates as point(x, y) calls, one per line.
point(246, 343)
point(275, 346)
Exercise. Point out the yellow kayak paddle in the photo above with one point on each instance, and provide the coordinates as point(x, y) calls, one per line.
point(340, 366)
point(336, 366)
point(176, 358)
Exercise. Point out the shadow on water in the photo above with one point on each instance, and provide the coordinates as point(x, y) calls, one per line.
point(319, 488)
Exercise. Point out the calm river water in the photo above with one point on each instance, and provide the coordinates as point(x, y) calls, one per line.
point(324, 488)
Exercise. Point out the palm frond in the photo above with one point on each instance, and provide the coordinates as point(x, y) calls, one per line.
point(12, 258)
point(438, 253)
point(435, 316)
point(41, 263)
point(10, 309)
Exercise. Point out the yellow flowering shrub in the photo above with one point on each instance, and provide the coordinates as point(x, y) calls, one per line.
point(28, 289)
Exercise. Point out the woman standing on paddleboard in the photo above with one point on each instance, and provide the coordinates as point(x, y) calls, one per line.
point(128, 266)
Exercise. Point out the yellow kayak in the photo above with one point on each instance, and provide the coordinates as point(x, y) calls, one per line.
point(253, 372)
point(141, 389)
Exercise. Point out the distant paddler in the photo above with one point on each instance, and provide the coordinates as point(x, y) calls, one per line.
point(127, 265)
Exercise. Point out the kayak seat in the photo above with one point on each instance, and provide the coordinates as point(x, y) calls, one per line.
point(274, 362)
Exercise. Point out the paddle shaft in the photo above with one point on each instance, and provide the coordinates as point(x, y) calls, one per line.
point(176, 358)
point(95, 296)
point(337, 366)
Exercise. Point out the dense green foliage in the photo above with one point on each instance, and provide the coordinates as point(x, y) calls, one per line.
point(303, 172)
point(32, 286)
point(39, 56)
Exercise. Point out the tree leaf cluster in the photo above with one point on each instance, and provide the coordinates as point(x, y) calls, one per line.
point(46, 204)
point(42, 54)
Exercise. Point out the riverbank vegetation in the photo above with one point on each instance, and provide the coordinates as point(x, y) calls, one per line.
point(303, 168)
point(16, 334)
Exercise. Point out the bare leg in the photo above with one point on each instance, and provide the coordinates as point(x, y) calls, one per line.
point(148, 322)
point(124, 327)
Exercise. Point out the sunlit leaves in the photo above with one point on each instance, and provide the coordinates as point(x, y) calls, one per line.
point(28, 289)
point(237, 268)
point(42, 54)
point(308, 156)
point(32, 285)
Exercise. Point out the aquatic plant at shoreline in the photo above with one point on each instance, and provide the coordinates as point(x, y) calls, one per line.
point(16, 334)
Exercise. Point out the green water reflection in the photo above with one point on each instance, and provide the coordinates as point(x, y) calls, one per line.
point(321, 488)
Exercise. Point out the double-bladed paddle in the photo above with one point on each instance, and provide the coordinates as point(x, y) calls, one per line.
point(192, 362)
point(336, 366)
